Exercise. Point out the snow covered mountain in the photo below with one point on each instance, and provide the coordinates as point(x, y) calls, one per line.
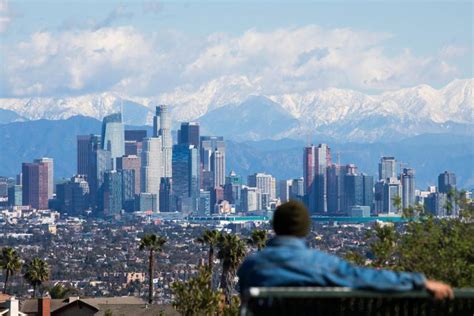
point(334, 113)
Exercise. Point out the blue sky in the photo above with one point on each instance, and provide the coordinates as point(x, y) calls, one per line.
point(289, 46)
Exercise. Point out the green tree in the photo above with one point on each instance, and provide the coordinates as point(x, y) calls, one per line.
point(152, 243)
point(384, 245)
point(210, 238)
point(355, 258)
point(232, 250)
point(36, 272)
point(397, 202)
point(196, 296)
point(10, 263)
point(58, 291)
point(258, 239)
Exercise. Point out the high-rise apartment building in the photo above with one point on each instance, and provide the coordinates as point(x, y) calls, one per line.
point(113, 136)
point(35, 185)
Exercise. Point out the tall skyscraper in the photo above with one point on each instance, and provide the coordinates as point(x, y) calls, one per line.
point(297, 189)
point(251, 200)
point(186, 169)
point(189, 134)
point(15, 195)
point(99, 162)
point(135, 135)
point(233, 190)
point(166, 190)
point(112, 193)
point(83, 153)
point(218, 168)
point(266, 185)
point(407, 179)
point(152, 168)
point(35, 185)
point(283, 191)
point(162, 128)
point(133, 163)
point(446, 182)
point(50, 163)
point(128, 188)
point(73, 196)
point(335, 187)
point(387, 168)
point(315, 162)
point(113, 136)
point(391, 189)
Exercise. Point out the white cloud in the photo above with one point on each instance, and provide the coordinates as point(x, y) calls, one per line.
point(284, 60)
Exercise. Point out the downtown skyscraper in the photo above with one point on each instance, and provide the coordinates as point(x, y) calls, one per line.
point(162, 128)
point(35, 184)
point(315, 162)
point(113, 136)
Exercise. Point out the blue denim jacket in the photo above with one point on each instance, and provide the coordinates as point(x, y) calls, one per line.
point(287, 261)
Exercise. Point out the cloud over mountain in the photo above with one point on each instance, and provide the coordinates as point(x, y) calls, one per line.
point(286, 60)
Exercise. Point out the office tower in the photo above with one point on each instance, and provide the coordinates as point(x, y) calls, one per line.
point(233, 189)
point(128, 189)
point(266, 185)
point(35, 185)
point(135, 135)
point(335, 187)
point(162, 128)
point(133, 163)
point(146, 202)
point(391, 189)
point(113, 136)
point(151, 169)
point(112, 193)
point(283, 193)
point(379, 196)
point(50, 163)
point(99, 163)
point(435, 203)
point(3, 187)
point(133, 148)
point(387, 168)
point(189, 134)
point(19, 179)
point(218, 168)
point(185, 178)
point(251, 200)
point(15, 195)
point(73, 196)
point(217, 195)
point(446, 182)
point(368, 190)
point(297, 189)
point(204, 203)
point(315, 162)
point(354, 192)
point(212, 155)
point(83, 153)
point(166, 189)
point(407, 179)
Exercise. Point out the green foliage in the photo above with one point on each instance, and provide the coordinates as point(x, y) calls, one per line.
point(355, 257)
point(10, 263)
point(36, 272)
point(210, 238)
point(195, 296)
point(152, 243)
point(440, 248)
point(258, 239)
point(397, 202)
point(232, 251)
point(58, 291)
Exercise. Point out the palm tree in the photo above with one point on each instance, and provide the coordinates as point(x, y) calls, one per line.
point(10, 263)
point(397, 202)
point(152, 243)
point(37, 272)
point(231, 252)
point(211, 238)
point(258, 239)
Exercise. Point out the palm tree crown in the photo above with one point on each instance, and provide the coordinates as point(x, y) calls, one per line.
point(258, 239)
point(37, 272)
point(211, 238)
point(10, 263)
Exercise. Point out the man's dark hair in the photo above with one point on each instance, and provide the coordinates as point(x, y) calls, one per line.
point(292, 219)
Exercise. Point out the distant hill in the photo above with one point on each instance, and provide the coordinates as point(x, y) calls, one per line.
point(429, 154)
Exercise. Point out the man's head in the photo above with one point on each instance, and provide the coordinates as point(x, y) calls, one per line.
point(291, 219)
